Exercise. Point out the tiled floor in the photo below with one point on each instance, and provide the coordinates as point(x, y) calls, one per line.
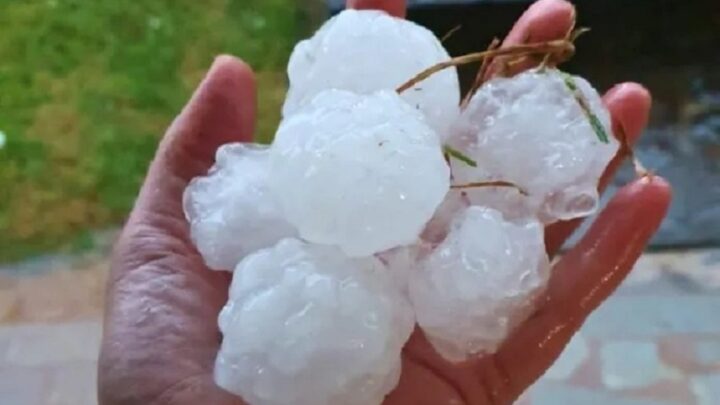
point(656, 342)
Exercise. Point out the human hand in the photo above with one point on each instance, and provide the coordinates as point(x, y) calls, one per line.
point(161, 334)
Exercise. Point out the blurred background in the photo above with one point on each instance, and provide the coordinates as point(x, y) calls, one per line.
point(88, 87)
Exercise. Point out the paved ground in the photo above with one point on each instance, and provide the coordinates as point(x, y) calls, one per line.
point(50, 332)
point(657, 342)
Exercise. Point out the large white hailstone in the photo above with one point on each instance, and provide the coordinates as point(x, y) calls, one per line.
point(363, 172)
point(230, 211)
point(531, 131)
point(306, 325)
point(479, 283)
point(366, 51)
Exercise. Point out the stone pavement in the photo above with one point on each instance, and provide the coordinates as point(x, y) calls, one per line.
point(656, 342)
point(50, 331)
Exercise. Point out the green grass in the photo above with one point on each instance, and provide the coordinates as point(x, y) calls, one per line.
point(88, 87)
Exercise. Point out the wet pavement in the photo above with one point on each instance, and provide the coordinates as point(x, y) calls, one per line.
point(657, 341)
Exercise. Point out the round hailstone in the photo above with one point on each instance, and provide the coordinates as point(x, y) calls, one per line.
point(367, 51)
point(230, 211)
point(363, 172)
point(531, 131)
point(479, 283)
point(306, 325)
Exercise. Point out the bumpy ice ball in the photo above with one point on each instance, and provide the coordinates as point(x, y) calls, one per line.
point(306, 325)
point(367, 51)
point(472, 290)
point(363, 172)
point(231, 211)
point(530, 130)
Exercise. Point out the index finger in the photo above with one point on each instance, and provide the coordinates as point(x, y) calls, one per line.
point(395, 8)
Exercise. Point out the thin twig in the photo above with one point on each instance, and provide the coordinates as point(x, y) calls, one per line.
point(486, 184)
point(450, 33)
point(572, 36)
point(563, 47)
point(568, 36)
point(512, 65)
point(579, 32)
point(627, 150)
point(482, 72)
point(495, 44)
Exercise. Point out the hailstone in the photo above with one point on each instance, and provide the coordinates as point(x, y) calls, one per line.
point(307, 325)
point(362, 172)
point(476, 286)
point(231, 211)
point(346, 230)
point(366, 51)
point(531, 131)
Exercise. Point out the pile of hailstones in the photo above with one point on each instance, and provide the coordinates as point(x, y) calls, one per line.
point(350, 227)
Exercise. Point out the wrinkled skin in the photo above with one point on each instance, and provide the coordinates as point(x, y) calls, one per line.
point(161, 334)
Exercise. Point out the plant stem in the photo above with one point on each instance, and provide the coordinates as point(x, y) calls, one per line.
point(486, 184)
point(450, 33)
point(449, 151)
point(482, 72)
point(627, 150)
point(562, 47)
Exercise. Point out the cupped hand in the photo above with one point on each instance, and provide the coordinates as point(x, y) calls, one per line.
point(161, 336)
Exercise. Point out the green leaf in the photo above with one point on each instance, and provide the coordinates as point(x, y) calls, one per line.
point(454, 153)
point(598, 128)
point(595, 123)
point(570, 83)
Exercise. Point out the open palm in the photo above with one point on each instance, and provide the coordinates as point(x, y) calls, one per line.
point(161, 335)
